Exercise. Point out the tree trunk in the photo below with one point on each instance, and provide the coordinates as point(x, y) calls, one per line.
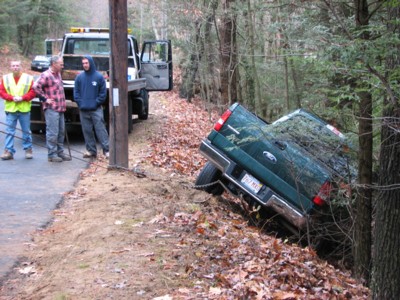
point(257, 93)
point(295, 78)
point(211, 77)
point(247, 90)
point(190, 70)
point(363, 211)
point(227, 50)
point(385, 277)
point(286, 74)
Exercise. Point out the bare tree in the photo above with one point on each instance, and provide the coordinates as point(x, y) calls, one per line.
point(228, 53)
point(254, 81)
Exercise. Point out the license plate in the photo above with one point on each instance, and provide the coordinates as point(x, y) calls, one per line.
point(252, 183)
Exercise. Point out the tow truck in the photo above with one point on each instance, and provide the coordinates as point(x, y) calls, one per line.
point(148, 70)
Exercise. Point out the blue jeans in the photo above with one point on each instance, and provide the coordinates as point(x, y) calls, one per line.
point(25, 121)
point(94, 120)
point(55, 132)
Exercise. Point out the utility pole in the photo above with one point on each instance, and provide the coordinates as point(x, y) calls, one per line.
point(118, 84)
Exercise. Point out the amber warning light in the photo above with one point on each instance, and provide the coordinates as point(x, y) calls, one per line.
point(91, 29)
point(88, 29)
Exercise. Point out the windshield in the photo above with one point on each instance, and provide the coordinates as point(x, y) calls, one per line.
point(88, 46)
point(98, 48)
point(91, 46)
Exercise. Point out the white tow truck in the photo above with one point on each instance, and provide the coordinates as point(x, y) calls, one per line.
point(148, 70)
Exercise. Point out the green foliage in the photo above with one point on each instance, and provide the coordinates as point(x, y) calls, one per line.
point(27, 22)
point(7, 24)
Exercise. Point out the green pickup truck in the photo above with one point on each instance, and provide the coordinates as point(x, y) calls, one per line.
point(293, 166)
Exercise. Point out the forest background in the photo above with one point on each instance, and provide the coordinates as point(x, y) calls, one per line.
point(339, 59)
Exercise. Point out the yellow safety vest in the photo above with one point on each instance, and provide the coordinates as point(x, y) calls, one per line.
point(20, 89)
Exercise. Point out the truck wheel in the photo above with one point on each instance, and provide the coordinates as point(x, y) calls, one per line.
point(207, 175)
point(145, 110)
point(37, 128)
point(145, 115)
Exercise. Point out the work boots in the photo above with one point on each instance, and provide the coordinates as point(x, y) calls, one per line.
point(88, 154)
point(65, 157)
point(28, 153)
point(7, 155)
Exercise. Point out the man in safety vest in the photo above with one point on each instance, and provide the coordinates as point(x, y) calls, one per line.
point(16, 90)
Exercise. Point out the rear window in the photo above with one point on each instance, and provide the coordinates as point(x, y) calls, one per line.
point(308, 132)
point(319, 139)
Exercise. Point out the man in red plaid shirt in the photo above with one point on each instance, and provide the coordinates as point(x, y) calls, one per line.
point(50, 90)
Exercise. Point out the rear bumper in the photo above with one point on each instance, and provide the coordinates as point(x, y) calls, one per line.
point(265, 196)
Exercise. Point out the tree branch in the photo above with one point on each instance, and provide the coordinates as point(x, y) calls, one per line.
point(385, 83)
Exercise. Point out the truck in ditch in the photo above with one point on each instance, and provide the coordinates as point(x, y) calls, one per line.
point(148, 70)
point(293, 167)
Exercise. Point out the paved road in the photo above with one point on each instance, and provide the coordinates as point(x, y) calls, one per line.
point(30, 190)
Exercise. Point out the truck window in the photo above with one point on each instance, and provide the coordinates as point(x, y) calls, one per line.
point(53, 46)
point(155, 52)
point(69, 49)
point(314, 137)
point(92, 47)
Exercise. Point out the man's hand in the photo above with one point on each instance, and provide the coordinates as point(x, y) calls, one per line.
point(17, 99)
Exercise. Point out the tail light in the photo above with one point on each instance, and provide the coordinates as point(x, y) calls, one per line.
point(335, 130)
point(225, 116)
point(323, 195)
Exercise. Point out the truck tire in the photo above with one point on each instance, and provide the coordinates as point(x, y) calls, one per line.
point(38, 128)
point(208, 175)
point(145, 109)
point(145, 114)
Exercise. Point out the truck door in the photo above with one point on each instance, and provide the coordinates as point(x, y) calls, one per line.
point(156, 65)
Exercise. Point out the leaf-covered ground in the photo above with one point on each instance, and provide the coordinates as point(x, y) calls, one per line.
point(145, 233)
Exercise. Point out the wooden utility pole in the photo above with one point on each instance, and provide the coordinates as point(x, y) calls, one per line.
point(118, 83)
